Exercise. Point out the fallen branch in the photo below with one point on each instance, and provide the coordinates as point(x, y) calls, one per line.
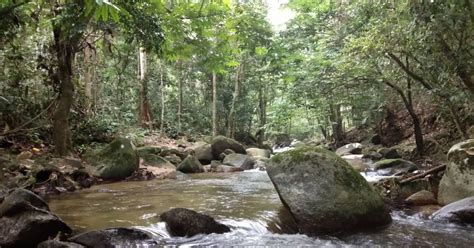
point(428, 172)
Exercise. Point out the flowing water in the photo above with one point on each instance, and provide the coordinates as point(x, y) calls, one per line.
point(246, 201)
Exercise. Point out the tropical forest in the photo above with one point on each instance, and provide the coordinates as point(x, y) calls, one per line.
point(236, 123)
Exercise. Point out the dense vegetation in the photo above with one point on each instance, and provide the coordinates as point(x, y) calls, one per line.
point(74, 72)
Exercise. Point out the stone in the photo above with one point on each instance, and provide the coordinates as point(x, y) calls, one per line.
point(390, 167)
point(183, 222)
point(461, 212)
point(226, 169)
point(258, 153)
point(225, 153)
point(376, 139)
point(324, 193)
point(166, 151)
point(190, 165)
point(157, 161)
point(25, 220)
point(117, 160)
point(389, 153)
point(241, 161)
point(409, 188)
point(59, 244)
point(420, 198)
point(174, 159)
point(282, 140)
point(221, 143)
point(458, 179)
point(115, 237)
point(177, 175)
point(353, 148)
point(148, 150)
point(204, 153)
point(355, 160)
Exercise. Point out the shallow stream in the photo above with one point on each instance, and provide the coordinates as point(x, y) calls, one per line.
point(246, 201)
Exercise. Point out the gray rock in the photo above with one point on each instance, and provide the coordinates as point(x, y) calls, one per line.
point(226, 169)
point(461, 211)
point(353, 148)
point(148, 150)
point(115, 237)
point(117, 160)
point(458, 179)
point(389, 153)
point(324, 193)
point(421, 198)
point(388, 167)
point(204, 153)
point(225, 153)
point(241, 161)
point(221, 143)
point(190, 165)
point(25, 220)
point(177, 175)
point(186, 223)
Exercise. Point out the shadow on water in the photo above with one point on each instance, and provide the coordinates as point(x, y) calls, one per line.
point(245, 201)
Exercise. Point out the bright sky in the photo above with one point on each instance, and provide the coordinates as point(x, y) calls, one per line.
point(278, 14)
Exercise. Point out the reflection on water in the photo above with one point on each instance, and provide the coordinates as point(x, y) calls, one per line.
point(246, 201)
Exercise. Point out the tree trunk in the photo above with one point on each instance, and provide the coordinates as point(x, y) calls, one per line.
point(180, 98)
point(336, 123)
point(231, 118)
point(64, 49)
point(214, 105)
point(88, 83)
point(145, 118)
point(162, 89)
point(262, 105)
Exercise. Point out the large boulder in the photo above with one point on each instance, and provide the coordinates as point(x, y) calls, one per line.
point(458, 179)
point(25, 220)
point(324, 193)
point(461, 211)
point(117, 160)
point(220, 144)
point(115, 237)
point(241, 161)
point(203, 153)
point(185, 223)
point(258, 153)
point(353, 148)
point(190, 165)
point(396, 166)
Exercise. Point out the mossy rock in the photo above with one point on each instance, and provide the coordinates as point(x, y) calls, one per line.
point(148, 150)
point(117, 160)
point(190, 165)
point(324, 193)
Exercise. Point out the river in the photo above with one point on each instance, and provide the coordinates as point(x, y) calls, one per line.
point(246, 201)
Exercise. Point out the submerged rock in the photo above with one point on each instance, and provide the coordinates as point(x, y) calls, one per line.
point(190, 165)
point(461, 212)
point(25, 220)
point(185, 223)
point(117, 160)
point(388, 167)
point(220, 144)
point(324, 193)
point(458, 179)
point(115, 237)
point(59, 244)
point(241, 161)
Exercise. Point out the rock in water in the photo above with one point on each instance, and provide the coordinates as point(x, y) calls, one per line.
point(324, 193)
point(190, 165)
point(117, 160)
point(115, 237)
point(241, 161)
point(220, 144)
point(458, 179)
point(354, 148)
point(185, 223)
point(421, 198)
point(25, 220)
point(59, 244)
point(258, 153)
point(461, 212)
point(388, 167)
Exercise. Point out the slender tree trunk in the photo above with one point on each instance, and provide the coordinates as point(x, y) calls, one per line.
point(64, 49)
point(231, 118)
point(336, 122)
point(214, 105)
point(262, 105)
point(180, 97)
point(88, 84)
point(162, 88)
point(144, 106)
